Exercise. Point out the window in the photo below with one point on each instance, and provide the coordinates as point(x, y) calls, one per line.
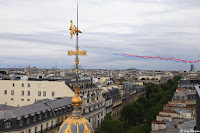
point(12, 99)
point(28, 93)
point(50, 113)
point(62, 119)
point(22, 84)
point(44, 93)
point(21, 123)
point(28, 99)
point(46, 125)
point(83, 111)
point(51, 123)
point(53, 93)
point(29, 131)
point(35, 129)
point(88, 100)
point(7, 124)
point(29, 85)
point(41, 127)
point(13, 84)
point(22, 93)
point(40, 116)
point(22, 99)
point(58, 121)
point(45, 115)
point(65, 117)
point(5, 92)
point(12, 92)
point(97, 98)
point(34, 118)
point(39, 93)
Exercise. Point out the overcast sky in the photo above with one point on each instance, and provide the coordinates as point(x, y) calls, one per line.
point(36, 32)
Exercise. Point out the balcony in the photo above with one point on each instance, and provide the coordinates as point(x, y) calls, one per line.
point(49, 128)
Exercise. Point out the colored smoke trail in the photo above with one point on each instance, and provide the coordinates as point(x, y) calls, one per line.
point(149, 57)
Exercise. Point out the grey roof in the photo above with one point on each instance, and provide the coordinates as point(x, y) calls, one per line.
point(188, 125)
point(173, 130)
point(169, 124)
point(6, 107)
point(186, 111)
point(35, 108)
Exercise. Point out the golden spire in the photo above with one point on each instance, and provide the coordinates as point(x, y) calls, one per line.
point(76, 122)
point(76, 100)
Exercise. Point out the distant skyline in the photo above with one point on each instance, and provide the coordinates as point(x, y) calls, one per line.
point(37, 33)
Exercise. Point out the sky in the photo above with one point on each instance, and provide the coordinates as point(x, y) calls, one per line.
point(36, 32)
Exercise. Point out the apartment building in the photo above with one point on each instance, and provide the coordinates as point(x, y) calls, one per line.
point(45, 116)
point(20, 93)
point(93, 103)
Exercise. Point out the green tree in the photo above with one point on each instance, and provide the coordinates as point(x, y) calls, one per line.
point(143, 128)
point(109, 125)
point(152, 88)
point(129, 114)
point(140, 110)
point(166, 86)
point(145, 102)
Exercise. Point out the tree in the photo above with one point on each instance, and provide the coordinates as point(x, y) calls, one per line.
point(166, 86)
point(151, 114)
point(109, 125)
point(140, 110)
point(152, 88)
point(145, 102)
point(129, 114)
point(143, 128)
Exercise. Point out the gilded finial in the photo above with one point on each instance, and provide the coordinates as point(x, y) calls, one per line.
point(76, 100)
point(73, 29)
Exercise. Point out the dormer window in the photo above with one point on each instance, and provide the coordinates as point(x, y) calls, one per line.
point(45, 115)
point(28, 120)
point(34, 118)
point(21, 123)
point(8, 124)
point(40, 116)
point(50, 113)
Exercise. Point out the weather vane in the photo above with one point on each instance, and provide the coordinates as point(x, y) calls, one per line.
point(74, 30)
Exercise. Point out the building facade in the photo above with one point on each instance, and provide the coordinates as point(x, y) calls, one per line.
point(20, 93)
point(93, 103)
point(45, 116)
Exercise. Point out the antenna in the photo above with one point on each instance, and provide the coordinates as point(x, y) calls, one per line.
point(77, 14)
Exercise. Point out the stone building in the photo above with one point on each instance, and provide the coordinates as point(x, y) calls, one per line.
point(93, 103)
point(44, 116)
point(20, 93)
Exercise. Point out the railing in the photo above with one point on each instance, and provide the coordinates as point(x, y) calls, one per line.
point(49, 128)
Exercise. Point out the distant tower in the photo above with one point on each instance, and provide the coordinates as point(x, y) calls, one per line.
point(192, 68)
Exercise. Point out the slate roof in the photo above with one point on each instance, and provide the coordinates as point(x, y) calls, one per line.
point(6, 107)
point(188, 125)
point(35, 108)
point(173, 130)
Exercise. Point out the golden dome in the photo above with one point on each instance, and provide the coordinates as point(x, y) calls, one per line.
point(76, 125)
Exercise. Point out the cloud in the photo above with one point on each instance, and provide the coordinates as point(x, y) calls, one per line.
point(36, 32)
